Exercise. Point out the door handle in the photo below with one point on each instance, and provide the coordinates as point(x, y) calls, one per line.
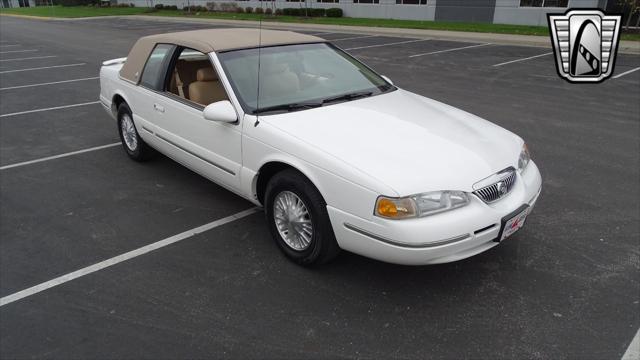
point(158, 108)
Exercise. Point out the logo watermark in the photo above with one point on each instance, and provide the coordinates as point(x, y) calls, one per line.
point(585, 42)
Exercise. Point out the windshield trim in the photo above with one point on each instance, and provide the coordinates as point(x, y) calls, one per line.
point(376, 90)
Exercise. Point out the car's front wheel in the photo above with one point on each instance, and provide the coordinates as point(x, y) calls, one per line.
point(133, 144)
point(298, 220)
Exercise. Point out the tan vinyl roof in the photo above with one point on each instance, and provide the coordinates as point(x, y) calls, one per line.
point(207, 41)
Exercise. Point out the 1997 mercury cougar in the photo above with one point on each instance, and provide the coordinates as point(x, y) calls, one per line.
point(338, 156)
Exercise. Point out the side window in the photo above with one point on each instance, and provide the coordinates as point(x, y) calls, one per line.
point(153, 74)
point(194, 79)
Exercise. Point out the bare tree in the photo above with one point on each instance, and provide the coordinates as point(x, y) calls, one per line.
point(633, 6)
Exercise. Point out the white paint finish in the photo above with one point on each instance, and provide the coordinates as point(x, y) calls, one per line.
point(413, 126)
point(35, 161)
point(626, 73)
point(392, 144)
point(17, 51)
point(449, 50)
point(124, 257)
point(633, 351)
point(49, 109)
point(42, 68)
point(30, 58)
point(524, 59)
point(49, 83)
point(388, 44)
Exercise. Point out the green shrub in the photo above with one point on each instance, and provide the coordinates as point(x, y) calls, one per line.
point(315, 12)
point(259, 10)
point(334, 12)
point(248, 9)
point(268, 11)
point(240, 10)
point(278, 11)
point(159, 6)
point(171, 7)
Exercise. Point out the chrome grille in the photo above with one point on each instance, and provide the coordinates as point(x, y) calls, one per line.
point(500, 188)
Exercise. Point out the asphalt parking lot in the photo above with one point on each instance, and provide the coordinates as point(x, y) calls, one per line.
point(565, 286)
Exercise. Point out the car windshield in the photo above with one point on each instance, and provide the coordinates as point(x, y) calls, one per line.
point(296, 77)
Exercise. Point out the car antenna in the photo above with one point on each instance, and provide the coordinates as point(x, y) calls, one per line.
point(258, 90)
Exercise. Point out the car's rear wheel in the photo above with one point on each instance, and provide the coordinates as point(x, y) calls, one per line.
point(133, 144)
point(298, 220)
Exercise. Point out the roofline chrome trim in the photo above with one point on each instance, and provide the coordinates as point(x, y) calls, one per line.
point(407, 245)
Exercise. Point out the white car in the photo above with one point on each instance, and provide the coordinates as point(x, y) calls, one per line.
point(338, 156)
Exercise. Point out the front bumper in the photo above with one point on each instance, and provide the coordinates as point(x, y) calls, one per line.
point(440, 238)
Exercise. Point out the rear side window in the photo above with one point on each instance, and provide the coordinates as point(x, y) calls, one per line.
point(155, 68)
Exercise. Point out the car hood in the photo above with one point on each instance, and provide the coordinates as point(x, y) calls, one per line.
point(410, 143)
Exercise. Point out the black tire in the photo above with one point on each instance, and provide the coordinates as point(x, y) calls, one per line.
point(323, 246)
point(141, 151)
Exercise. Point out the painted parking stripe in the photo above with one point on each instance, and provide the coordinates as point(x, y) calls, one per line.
point(388, 44)
point(449, 50)
point(49, 83)
point(124, 257)
point(354, 37)
point(633, 351)
point(42, 68)
point(58, 156)
point(626, 73)
point(17, 51)
point(525, 59)
point(48, 109)
point(30, 58)
point(322, 33)
point(11, 45)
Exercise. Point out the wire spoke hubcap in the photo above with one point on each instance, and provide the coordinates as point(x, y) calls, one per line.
point(129, 132)
point(292, 220)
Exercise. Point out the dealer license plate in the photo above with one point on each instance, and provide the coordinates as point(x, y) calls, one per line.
point(511, 224)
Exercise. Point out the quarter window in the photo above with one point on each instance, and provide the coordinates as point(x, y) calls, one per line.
point(153, 73)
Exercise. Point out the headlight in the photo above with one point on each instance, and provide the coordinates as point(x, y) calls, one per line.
point(524, 158)
point(420, 205)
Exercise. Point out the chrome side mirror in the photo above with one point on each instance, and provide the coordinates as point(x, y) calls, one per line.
point(221, 111)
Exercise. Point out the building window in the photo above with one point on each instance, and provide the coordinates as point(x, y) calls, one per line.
point(328, 1)
point(544, 3)
point(411, 2)
point(366, 1)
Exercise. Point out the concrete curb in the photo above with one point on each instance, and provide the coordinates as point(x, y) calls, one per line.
point(625, 46)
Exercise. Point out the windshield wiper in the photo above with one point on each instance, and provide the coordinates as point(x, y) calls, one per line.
point(288, 107)
point(347, 97)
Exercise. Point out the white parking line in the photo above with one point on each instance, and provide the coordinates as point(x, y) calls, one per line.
point(633, 351)
point(354, 37)
point(49, 83)
point(16, 51)
point(448, 50)
point(12, 45)
point(51, 108)
point(388, 44)
point(42, 68)
point(58, 156)
point(124, 257)
point(322, 33)
point(30, 58)
point(626, 73)
point(525, 59)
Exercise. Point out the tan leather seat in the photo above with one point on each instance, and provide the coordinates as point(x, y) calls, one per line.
point(207, 88)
